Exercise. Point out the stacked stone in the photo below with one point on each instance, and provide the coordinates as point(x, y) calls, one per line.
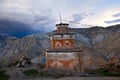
point(22, 62)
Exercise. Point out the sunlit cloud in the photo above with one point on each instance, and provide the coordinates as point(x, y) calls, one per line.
point(113, 21)
point(116, 15)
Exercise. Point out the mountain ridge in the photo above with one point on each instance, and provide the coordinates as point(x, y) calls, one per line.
point(89, 39)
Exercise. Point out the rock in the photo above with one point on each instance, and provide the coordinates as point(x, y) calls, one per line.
point(21, 62)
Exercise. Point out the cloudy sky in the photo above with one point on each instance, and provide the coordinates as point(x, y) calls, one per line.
point(44, 14)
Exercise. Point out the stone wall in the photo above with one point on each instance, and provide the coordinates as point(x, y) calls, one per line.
point(64, 60)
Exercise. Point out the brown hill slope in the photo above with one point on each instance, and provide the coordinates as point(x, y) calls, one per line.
point(30, 46)
point(109, 47)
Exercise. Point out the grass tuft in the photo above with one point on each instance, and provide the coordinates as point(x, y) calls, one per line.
point(3, 76)
point(102, 72)
point(31, 73)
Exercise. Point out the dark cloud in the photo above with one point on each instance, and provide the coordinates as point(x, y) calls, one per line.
point(115, 20)
point(15, 28)
point(43, 19)
point(1, 1)
point(116, 15)
point(20, 24)
point(31, 16)
point(46, 23)
point(112, 21)
point(78, 17)
point(40, 18)
point(20, 27)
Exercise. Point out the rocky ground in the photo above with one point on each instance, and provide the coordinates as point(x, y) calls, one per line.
point(17, 74)
point(90, 78)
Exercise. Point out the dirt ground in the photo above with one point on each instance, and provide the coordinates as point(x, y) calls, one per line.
point(16, 74)
point(79, 78)
point(90, 78)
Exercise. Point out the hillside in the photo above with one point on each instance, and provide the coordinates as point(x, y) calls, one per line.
point(30, 46)
point(109, 47)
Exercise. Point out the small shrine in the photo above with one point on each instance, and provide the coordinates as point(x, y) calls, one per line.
point(63, 54)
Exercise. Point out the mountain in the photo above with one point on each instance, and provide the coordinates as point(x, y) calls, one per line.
point(30, 46)
point(98, 43)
